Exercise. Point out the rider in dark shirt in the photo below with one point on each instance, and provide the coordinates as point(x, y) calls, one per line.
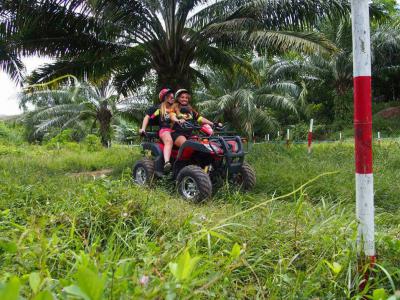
point(182, 112)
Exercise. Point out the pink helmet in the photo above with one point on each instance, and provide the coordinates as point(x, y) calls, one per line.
point(163, 93)
point(207, 129)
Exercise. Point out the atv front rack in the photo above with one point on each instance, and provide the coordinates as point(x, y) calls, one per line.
point(234, 160)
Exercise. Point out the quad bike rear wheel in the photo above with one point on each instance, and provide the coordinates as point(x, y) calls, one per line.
point(143, 172)
point(246, 177)
point(194, 184)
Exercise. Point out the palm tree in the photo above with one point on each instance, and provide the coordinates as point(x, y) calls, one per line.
point(327, 76)
point(76, 107)
point(9, 60)
point(128, 39)
point(386, 61)
point(248, 100)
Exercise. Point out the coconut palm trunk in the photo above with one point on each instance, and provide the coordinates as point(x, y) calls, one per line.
point(104, 117)
point(175, 79)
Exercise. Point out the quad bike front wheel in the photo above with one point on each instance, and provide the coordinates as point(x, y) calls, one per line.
point(194, 184)
point(246, 177)
point(143, 172)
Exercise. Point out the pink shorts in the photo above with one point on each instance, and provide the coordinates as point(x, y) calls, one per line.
point(163, 130)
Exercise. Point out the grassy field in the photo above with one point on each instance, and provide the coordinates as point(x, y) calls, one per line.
point(65, 235)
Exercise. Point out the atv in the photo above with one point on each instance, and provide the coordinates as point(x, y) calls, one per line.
point(199, 166)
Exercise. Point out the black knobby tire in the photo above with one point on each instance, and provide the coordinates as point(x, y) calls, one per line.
point(246, 177)
point(194, 184)
point(143, 167)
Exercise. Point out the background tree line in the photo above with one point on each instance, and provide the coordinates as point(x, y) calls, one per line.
point(256, 65)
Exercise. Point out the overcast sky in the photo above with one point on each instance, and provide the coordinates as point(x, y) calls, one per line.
point(9, 91)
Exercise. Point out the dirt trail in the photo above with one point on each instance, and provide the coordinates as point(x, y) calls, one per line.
point(95, 174)
point(390, 112)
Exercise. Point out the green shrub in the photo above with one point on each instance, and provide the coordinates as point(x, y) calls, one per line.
point(11, 133)
point(299, 132)
point(388, 127)
point(9, 149)
point(60, 139)
point(92, 143)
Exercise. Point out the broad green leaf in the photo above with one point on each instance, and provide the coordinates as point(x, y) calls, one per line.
point(379, 294)
point(5, 212)
point(45, 295)
point(182, 270)
point(77, 292)
point(173, 267)
point(34, 282)
point(235, 252)
point(91, 283)
point(183, 264)
point(7, 246)
point(10, 290)
point(219, 236)
point(335, 267)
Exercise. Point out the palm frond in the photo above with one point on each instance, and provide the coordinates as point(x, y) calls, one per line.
point(58, 122)
point(278, 41)
point(294, 14)
point(276, 101)
point(218, 57)
point(214, 12)
point(286, 87)
point(59, 110)
point(264, 119)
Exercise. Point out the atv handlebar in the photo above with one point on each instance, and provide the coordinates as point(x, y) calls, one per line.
point(188, 125)
point(150, 135)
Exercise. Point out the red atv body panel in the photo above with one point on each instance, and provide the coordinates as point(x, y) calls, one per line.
point(186, 154)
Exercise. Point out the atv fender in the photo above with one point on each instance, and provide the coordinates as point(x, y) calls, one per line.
point(187, 149)
point(157, 153)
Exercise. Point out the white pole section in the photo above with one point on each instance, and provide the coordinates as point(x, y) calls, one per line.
point(287, 137)
point(363, 126)
point(309, 137)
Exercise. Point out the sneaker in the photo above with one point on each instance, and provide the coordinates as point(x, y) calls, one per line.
point(167, 167)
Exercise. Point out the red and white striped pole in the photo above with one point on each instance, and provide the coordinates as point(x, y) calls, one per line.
point(363, 127)
point(309, 137)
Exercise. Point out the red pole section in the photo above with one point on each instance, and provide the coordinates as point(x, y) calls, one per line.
point(309, 138)
point(363, 127)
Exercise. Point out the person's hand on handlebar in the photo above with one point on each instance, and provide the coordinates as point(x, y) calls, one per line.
point(142, 131)
point(218, 125)
point(181, 122)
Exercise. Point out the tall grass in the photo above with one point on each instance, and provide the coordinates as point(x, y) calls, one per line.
point(76, 237)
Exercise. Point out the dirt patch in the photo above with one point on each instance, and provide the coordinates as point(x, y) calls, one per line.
point(389, 113)
point(94, 174)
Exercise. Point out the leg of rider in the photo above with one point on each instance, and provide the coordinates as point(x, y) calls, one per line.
point(167, 140)
point(180, 140)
